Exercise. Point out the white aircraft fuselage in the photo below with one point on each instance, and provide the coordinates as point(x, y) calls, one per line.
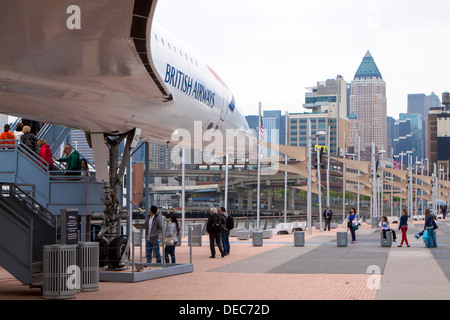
point(105, 67)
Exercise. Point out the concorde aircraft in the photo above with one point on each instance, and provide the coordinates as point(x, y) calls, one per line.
point(106, 68)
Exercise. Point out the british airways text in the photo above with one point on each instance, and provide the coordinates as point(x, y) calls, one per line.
point(188, 85)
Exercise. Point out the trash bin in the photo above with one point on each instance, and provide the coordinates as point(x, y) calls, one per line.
point(342, 239)
point(257, 238)
point(60, 276)
point(299, 238)
point(88, 255)
point(196, 235)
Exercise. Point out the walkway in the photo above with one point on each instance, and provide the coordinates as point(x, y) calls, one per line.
point(280, 271)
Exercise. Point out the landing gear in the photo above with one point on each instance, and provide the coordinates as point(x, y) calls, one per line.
point(114, 247)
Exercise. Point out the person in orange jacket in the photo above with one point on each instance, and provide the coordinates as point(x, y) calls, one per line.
point(7, 138)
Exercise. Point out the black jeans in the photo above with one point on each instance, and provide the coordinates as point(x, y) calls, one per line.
point(215, 237)
point(394, 237)
point(169, 250)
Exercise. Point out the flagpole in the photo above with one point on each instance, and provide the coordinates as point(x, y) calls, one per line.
point(259, 169)
point(359, 172)
point(343, 182)
point(285, 163)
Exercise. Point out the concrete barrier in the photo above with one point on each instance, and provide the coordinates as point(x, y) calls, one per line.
point(342, 239)
point(243, 235)
point(388, 242)
point(257, 238)
point(299, 238)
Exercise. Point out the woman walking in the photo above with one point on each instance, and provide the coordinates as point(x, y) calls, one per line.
point(174, 231)
point(403, 226)
point(352, 223)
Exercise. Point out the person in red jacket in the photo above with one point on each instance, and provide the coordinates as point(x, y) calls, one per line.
point(45, 153)
point(7, 138)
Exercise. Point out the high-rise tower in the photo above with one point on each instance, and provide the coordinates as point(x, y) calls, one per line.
point(368, 104)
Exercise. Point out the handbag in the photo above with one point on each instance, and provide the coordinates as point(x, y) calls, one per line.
point(169, 241)
point(355, 224)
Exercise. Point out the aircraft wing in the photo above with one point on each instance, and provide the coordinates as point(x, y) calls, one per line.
point(83, 52)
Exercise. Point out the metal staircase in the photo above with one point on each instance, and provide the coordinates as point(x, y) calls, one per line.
point(25, 227)
point(31, 199)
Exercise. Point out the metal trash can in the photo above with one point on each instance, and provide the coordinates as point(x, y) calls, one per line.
point(257, 238)
point(60, 278)
point(88, 256)
point(299, 238)
point(342, 239)
point(196, 235)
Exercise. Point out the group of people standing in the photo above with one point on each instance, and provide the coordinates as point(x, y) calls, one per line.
point(154, 226)
point(218, 226)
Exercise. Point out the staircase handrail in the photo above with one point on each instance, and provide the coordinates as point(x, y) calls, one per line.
point(30, 203)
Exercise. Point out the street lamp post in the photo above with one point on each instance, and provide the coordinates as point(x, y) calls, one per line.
point(320, 133)
point(308, 205)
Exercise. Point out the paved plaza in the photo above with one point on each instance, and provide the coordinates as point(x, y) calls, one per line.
point(280, 271)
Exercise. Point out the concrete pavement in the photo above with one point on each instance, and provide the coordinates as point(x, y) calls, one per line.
point(279, 271)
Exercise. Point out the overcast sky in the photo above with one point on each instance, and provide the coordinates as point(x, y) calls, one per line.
point(269, 51)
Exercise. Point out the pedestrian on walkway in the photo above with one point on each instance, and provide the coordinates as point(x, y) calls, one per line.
point(214, 227)
point(327, 214)
point(444, 211)
point(154, 226)
point(173, 232)
point(352, 223)
point(429, 227)
point(225, 233)
point(385, 227)
point(403, 226)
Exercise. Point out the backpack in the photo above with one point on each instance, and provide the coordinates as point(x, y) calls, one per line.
point(216, 225)
point(230, 222)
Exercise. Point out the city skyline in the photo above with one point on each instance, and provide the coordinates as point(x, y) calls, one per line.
point(269, 53)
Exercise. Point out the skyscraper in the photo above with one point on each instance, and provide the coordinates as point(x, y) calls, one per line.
point(368, 103)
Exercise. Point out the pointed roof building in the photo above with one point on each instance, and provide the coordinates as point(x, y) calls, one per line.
point(368, 68)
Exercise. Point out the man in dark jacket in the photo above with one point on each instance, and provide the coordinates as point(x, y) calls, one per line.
point(327, 218)
point(214, 227)
point(153, 225)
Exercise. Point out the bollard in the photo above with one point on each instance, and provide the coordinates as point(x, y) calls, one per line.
point(257, 238)
point(299, 238)
point(388, 242)
point(342, 239)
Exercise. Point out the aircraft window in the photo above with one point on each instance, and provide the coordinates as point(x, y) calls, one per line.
point(192, 61)
point(168, 44)
point(156, 37)
point(162, 40)
point(175, 49)
point(186, 56)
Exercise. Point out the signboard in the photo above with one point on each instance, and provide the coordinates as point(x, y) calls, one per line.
point(325, 149)
point(69, 226)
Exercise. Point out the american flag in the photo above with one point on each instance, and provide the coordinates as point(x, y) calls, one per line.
point(396, 164)
point(261, 131)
